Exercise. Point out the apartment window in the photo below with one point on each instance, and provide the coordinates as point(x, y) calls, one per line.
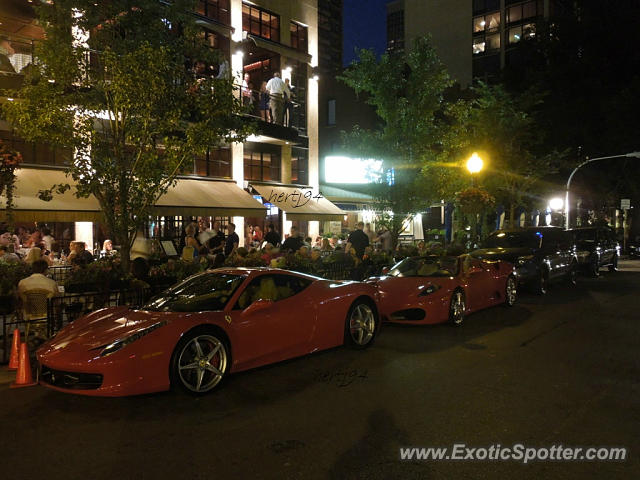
point(524, 11)
point(299, 165)
point(298, 36)
point(521, 32)
point(489, 22)
point(331, 112)
point(480, 6)
point(260, 22)
point(215, 163)
point(261, 165)
point(395, 31)
point(215, 9)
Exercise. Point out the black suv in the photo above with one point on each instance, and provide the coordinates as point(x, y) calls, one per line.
point(541, 254)
point(596, 247)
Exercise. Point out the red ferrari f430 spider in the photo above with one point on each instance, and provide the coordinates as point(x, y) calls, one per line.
point(437, 289)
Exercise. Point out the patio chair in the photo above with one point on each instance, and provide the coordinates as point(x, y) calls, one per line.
point(34, 308)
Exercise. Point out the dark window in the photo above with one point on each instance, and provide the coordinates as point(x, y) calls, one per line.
point(216, 10)
point(298, 36)
point(205, 292)
point(261, 166)
point(260, 22)
point(524, 11)
point(331, 112)
point(215, 163)
point(36, 153)
point(299, 166)
point(395, 31)
point(480, 6)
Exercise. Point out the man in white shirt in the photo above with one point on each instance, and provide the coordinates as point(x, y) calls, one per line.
point(276, 88)
point(38, 280)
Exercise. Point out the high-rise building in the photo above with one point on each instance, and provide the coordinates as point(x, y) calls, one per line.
point(329, 36)
point(473, 38)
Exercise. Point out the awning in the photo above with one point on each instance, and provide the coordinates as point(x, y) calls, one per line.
point(208, 197)
point(195, 197)
point(300, 203)
point(62, 208)
point(342, 195)
point(279, 48)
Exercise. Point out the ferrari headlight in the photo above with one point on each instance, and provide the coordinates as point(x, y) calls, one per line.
point(429, 290)
point(524, 259)
point(123, 342)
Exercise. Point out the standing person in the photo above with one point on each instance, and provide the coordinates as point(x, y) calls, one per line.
point(358, 240)
point(204, 232)
point(265, 115)
point(216, 243)
point(232, 242)
point(370, 233)
point(288, 104)
point(272, 236)
point(47, 239)
point(275, 87)
point(247, 98)
point(258, 235)
point(385, 239)
point(248, 236)
point(294, 242)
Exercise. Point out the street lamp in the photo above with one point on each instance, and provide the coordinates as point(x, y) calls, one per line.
point(474, 165)
point(556, 204)
point(566, 196)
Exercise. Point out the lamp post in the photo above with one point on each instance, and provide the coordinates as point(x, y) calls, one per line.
point(566, 197)
point(474, 165)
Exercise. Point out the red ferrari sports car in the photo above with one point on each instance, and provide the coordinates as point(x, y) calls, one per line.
point(434, 289)
point(212, 324)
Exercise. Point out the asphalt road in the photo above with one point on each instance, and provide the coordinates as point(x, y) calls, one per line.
point(556, 370)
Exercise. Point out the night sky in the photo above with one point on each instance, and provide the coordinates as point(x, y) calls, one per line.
point(365, 26)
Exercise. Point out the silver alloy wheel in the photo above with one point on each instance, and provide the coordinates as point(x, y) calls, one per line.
point(362, 324)
point(457, 307)
point(202, 363)
point(511, 291)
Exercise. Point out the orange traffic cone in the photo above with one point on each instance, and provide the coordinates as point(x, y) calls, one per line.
point(23, 377)
point(13, 359)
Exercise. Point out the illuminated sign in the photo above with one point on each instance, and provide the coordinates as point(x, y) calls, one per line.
point(352, 170)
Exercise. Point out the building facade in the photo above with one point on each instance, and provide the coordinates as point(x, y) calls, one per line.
point(473, 38)
point(257, 38)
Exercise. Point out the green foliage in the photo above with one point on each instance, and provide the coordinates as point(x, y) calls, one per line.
point(9, 162)
point(407, 93)
point(498, 126)
point(11, 274)
point(124, 102)
point(104, 275)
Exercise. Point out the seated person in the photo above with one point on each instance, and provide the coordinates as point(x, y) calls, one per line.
point(427, 268)
point(466, 263)
point(267, 290)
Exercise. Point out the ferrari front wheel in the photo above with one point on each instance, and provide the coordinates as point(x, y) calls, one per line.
point(199, 362)
point(457, 308)
point(361, 324)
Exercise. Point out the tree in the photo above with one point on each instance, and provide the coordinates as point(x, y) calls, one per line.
point(496, 124)
point(114, 84)
point(407, 94)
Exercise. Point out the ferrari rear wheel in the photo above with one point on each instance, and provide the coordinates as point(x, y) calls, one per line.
point(200, 362)
point(457, 308)
point(511, 291)
point(361, 325)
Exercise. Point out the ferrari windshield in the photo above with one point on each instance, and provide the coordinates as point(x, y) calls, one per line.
point(205, 292)
point(426, 267)
point(525, 239)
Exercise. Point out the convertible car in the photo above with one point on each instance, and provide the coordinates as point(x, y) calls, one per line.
point(212, 324)
point(435, 289)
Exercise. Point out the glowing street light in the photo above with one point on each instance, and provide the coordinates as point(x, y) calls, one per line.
point(474, 164)
point(556, 204)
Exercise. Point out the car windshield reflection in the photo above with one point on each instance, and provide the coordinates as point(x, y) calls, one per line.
point(426, 267)
point(205, 292)
point(513, 240)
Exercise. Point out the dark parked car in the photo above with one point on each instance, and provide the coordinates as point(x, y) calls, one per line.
point(541, 254)
point(596, 247)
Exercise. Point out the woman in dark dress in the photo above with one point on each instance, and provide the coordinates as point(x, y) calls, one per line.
point(264, 103)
